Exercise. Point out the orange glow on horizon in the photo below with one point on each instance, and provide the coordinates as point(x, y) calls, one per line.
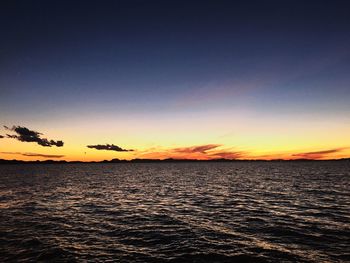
point(200, 152)
point(199, 136)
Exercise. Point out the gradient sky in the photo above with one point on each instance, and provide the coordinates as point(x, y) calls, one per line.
point(182, 79)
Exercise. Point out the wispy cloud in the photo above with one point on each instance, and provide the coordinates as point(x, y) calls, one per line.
point(196, 149)
point(202, 152)
point(266, 75)
point(228, 155)
point(35, 154)
point(23, 134)
point(318, 154)
point(108, 147)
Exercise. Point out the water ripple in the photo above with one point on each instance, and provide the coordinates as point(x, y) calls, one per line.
point(182, 212)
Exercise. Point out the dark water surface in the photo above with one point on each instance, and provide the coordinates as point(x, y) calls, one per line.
point(180, 212)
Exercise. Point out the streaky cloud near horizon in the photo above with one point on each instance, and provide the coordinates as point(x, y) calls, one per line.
point(24, 134)
point(197, 149)
point(318, 154)
point(200, 152)
point(35, 154)
point(109, 147)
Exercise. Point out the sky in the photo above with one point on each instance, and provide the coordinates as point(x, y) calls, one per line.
point(174, 79)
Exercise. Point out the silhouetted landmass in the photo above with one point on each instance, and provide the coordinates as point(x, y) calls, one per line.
point(169, 160)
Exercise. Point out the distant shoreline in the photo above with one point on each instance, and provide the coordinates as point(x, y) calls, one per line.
point(170, 160)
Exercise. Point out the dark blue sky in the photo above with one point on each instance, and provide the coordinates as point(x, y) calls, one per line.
point(62, 51)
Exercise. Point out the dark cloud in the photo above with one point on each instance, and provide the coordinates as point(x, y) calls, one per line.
point(1, 136)
point(318, 154)
point(26, 135)
point(36, 154)
point(108, 147)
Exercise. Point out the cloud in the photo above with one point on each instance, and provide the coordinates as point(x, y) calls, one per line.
point(200, 152)
point(1, 136)
point(228, 155)
point(26, 135)
point(197, 149)
point(36, 154)
point(318, 154)
point(108, 147)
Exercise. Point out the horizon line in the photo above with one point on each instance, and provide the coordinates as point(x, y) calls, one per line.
point(139, 160)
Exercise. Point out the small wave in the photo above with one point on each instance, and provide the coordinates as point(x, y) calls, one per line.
point(190, 212)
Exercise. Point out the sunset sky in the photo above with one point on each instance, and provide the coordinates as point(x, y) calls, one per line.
point(179, 79)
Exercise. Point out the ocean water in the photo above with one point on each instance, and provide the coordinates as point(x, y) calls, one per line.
point(175, 212)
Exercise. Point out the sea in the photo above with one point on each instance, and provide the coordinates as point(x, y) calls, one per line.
point(176, 212)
